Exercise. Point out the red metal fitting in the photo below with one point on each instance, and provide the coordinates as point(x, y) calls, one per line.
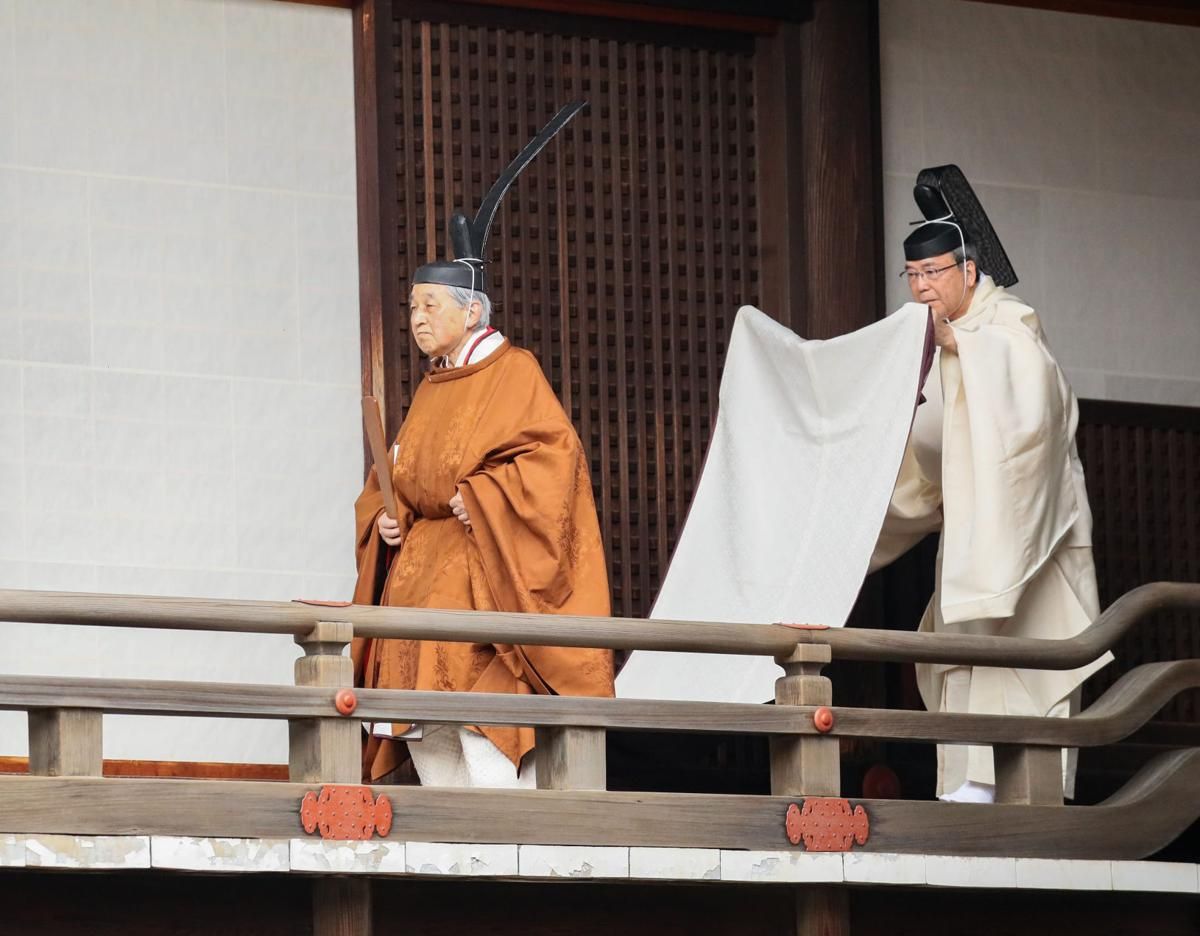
point(827, 824)
point(346, 701)
point(823, 719)
point(345, 812)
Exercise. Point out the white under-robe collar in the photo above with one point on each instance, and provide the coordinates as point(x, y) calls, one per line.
point(482, 349)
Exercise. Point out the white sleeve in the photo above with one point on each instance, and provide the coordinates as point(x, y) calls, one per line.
point(1007, 486)
point(915, 511)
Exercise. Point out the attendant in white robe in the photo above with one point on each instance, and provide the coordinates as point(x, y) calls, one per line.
point(991, 463)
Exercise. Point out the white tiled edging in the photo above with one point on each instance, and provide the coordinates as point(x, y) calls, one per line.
point(98, 852)
point(581, 862)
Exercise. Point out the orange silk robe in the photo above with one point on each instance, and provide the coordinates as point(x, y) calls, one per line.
point(496, 432)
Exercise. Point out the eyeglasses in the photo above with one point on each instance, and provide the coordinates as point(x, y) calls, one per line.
point(914, 275)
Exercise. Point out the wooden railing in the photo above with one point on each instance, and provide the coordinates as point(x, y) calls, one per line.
point(572, 805)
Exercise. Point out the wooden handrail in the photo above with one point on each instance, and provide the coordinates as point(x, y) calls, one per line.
point(851, 643)
point(803, 727)
point(298, 618)
point(281, 617)
point(1124, 708)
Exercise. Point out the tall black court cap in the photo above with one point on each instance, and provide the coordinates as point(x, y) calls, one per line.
point(468, 238)
point(947, 202)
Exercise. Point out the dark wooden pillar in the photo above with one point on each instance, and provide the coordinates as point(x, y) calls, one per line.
point(375, 134)
point(341, 906)
point(820, 179)
point(781, 200)
point(839, 101)
point(820, 185)
point(822, 911)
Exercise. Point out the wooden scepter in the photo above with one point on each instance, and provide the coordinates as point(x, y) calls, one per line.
point(373, 423)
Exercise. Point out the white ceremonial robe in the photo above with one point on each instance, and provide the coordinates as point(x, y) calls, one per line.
point(991, 462)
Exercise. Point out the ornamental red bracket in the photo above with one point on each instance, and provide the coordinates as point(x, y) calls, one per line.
point(827, 824)
point(346, 812)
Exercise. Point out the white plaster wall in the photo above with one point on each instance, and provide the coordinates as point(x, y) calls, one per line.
point(1081, 136)
point(178, 334)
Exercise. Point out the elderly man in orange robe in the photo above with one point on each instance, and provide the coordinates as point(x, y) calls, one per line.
point(495, 514)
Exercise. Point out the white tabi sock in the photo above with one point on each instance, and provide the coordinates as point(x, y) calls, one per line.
point(971, 792)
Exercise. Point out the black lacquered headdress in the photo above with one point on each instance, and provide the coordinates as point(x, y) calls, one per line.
point(468, 238)
point(954, 216)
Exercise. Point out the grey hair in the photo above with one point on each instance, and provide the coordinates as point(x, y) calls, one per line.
point(970, 253)
point(462, 297)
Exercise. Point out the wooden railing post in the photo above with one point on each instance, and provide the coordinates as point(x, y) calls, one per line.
point(1028, 774)
point(329, 750)
point(805, 765)
point(66, 743)
point(325, 750)
point(571, 759)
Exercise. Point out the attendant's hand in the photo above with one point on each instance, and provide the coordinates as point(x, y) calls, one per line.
point(460, 510)
point(389, 530)
point(943, 334)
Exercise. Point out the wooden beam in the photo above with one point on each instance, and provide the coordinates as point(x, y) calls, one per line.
point(1144, 816)
point(727, 15)
point(1179, 12)
point(339, 4)
point(1139, 415)
point(65, 742)
point(571, 759)
point(736, 22)
point(1122, 710)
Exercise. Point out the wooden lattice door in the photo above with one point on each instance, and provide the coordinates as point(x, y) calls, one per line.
point(1142, 465)
point(620, 256)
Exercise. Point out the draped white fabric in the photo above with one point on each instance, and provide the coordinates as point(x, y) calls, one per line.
point(803, 460)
